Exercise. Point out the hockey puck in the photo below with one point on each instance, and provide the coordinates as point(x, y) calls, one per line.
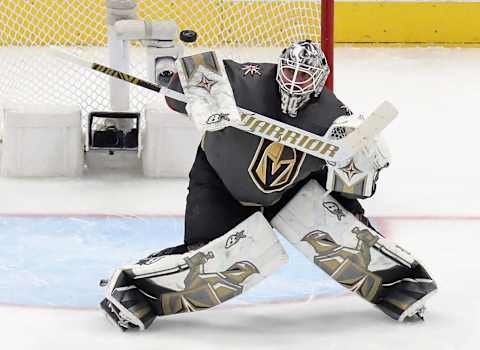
point(103, 283)
point(188, 36)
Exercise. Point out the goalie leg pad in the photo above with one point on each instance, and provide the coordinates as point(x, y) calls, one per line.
point(353, 254)
point(201, 278)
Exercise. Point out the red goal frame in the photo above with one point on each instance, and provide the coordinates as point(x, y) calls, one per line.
point(328, 42)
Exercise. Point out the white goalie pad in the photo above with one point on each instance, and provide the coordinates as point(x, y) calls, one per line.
point(336, 241)
point(357, 175)
point(210, 100)
point(208, 276)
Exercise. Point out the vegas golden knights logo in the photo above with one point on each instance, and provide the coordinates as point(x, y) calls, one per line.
point(275, 166)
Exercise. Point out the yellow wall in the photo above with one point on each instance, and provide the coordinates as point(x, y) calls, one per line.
point(355, 22)
point(407, 22)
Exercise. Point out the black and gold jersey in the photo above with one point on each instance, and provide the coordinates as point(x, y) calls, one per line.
point(253, 169)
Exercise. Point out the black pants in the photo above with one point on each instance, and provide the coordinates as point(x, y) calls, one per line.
point(212, 211)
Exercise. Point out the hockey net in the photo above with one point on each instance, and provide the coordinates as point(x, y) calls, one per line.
point(249, 31)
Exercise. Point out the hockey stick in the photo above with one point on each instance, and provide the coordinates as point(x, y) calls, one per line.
point(318, 146)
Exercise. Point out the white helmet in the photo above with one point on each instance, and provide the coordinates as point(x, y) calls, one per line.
point(301, 72)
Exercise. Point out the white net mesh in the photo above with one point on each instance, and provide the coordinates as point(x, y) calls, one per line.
point(242, 30)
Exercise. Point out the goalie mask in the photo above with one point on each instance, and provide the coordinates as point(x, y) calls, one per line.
point(301, 72)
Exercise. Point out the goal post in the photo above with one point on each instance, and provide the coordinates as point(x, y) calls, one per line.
point(327, 36)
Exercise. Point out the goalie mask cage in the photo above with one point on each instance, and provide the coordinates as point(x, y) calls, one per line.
point(245, 30)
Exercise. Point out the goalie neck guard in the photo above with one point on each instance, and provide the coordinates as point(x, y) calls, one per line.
point(301, 72)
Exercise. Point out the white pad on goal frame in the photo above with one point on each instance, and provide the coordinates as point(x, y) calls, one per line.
point(42, 140)
point(169, 143)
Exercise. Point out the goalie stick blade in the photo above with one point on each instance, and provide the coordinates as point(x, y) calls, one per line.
point(378, 120)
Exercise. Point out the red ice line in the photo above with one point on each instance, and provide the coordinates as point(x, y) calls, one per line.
point(180, 216)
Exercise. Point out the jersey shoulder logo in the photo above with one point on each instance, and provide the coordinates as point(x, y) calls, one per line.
point(251, 69)
point(275, 166)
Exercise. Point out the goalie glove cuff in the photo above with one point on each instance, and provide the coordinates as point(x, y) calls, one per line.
point(207, 118)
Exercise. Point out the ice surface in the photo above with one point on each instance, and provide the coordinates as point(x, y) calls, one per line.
point(58, 261)
point(421, 199)
point(347, 322)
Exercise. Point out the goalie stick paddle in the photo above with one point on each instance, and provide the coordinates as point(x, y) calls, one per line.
point(318, 146)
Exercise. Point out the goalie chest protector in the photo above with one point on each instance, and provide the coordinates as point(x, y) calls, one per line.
point(256, 170)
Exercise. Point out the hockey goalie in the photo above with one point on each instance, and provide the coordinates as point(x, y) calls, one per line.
point(243, 186)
